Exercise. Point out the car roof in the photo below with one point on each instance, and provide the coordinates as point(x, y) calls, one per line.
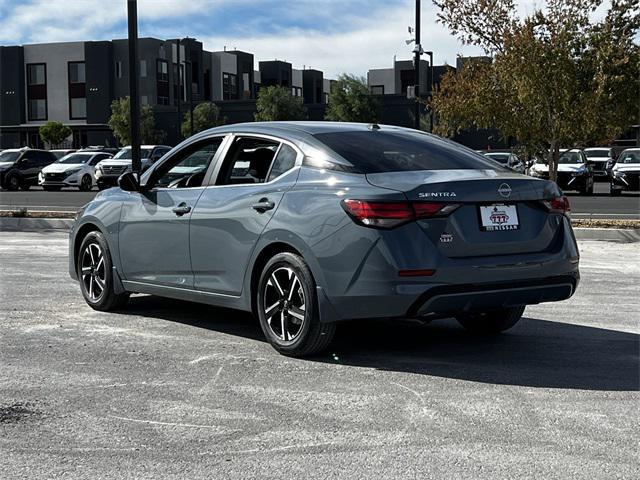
point(598, 148)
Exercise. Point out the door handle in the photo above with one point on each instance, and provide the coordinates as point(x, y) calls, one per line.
point(263, 205)
point(182, 209)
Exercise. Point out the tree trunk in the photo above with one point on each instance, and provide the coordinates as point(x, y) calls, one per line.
point(554, 156)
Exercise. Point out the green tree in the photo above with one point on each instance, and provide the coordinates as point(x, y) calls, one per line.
point(119, 122)
point(54, 133)
point(351, 101)
point(205, 115)
point(276, 103)
point(558, 77)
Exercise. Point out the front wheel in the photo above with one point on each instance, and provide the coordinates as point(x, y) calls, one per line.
point(494, 321)
point(95, 273)
point(13, 182)
point(86, 183)
point(287, 307)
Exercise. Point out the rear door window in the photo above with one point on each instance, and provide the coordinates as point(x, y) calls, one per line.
point(285, 160)
point(394, 151)
point(248, 161)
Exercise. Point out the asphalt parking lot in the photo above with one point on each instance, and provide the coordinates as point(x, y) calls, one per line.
point(176, 390)
point(599, 205)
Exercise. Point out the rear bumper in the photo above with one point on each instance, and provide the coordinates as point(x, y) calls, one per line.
point(474, 298)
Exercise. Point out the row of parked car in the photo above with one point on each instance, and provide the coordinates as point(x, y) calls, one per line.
point(579, 169)
point(102, 166)
point(20, 169)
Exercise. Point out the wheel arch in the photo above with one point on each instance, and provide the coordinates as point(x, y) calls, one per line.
point(79, 235)
point(267, 252)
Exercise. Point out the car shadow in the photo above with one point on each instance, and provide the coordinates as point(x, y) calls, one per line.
point(535, 353)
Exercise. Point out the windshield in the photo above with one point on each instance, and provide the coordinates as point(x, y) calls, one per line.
point(75, 158)
point(125, 153)
point(603, 152)
point(9, 156)
point(629, 157)
point(499, 157)
point(394, 151)
point(570, 158)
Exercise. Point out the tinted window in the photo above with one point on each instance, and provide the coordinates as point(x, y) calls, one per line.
point(285, 160)
point(376, 152)
point(9, 156)
point(597, 153)
point(499, 157)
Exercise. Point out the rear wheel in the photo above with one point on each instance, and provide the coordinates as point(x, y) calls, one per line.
point(95, 273)
point(288, 307)
point(494, 321)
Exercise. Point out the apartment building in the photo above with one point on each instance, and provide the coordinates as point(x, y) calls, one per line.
point(75, 83)
point(397, 80)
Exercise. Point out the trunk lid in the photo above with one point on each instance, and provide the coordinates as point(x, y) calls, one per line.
point(505, 195)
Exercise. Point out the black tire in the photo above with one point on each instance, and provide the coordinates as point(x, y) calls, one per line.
point(49, 188)
point(107, 300)
point(25, 186)
point(86, 184)
point(310, 336)
point(491, 322)
point(13, 182)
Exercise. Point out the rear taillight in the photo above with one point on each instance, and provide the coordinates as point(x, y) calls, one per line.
point(558, 205)
point(392, 214)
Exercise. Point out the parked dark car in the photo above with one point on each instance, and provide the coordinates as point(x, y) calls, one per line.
point(310, 223)
point(625, 175)
point(19, 169)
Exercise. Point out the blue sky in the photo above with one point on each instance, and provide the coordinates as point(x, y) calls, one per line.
point(331, 35)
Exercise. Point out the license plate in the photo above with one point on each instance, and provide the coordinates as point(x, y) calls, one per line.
point(498, 217)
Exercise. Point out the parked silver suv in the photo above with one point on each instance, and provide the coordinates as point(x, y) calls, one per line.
point(108, 171)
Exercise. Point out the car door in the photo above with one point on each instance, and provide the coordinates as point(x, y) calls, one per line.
point(231, 215)
point(154, 223)
point(30, 165)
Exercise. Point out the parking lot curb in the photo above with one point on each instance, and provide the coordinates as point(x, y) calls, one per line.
point(620, 235)
point(30, 224)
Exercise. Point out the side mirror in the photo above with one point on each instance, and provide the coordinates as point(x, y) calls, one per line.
point(128, 182)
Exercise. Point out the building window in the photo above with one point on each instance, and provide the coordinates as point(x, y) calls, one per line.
point(296, 91)
point(78, 108)
point(143, 69)
point(229, 86)
point(144, 100)
point(162, 82)
point(163, 71)
point(178, 88)
point(37, 91)
point(77, 91)
point(377, 89)
point(118, 69)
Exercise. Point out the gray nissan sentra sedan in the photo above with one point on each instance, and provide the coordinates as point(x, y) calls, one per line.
point(306, 224)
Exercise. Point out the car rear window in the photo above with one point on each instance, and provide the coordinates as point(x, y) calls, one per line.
point(379, 152)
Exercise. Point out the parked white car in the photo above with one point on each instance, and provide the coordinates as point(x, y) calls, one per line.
point(108, 172)
point(74, 170)
point(625, 174)
point(507, 159)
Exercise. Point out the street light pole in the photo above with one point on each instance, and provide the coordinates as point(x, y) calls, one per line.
point(179, 99)
point(418, 51)
point(134, 96)
point(430, 91)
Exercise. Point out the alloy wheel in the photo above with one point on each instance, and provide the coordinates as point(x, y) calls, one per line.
point(93, 271)
point(85, 183)
point(284, 304)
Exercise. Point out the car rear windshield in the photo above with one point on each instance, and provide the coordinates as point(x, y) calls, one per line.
point(378, 152)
